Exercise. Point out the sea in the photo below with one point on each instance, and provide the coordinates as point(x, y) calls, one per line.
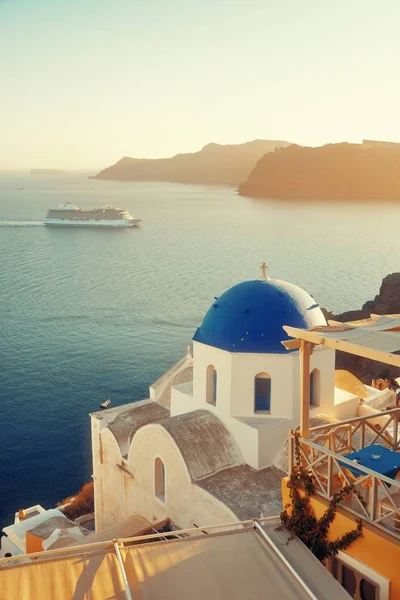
point(87, 314)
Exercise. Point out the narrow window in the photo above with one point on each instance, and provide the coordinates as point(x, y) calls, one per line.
point(315, 387)
point(212, 383)
point(355, 582)
point(159, 479)
point(368, 590)
point(262, 392)
point(349, 581)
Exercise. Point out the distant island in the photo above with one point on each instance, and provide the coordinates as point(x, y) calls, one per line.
point(367, 171)
point(47, 172)
point(214, 164)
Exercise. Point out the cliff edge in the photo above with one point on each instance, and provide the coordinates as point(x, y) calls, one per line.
point(386, 302)
point(367, 171)
point(215, 164)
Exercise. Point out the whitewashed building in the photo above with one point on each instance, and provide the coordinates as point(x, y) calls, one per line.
point(208, 445)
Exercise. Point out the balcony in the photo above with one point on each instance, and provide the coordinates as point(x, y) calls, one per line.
point(376, 496)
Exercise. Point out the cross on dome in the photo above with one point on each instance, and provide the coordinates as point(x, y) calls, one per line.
point(264, 268)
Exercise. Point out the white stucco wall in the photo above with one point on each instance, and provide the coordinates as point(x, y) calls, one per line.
point(7, 547)
point(280, 367)
point(257, 442)
point(123, 492)
point(185, 503)
point(113, 485)
point(346, 405)
point(120, 494)
point(182, 371)
point(97, 474)
point(235, 383)
point(203, 357)
point(323, 359)
point(247, 438)
point(235, 396)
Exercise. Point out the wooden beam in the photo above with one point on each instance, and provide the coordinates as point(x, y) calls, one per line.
point(305, 353)
point(292, 344)
point(318, 338)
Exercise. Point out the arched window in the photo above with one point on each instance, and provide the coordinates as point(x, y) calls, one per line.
point(159, 479)
point(262, 392)
point(315, 387)
point(212, 382)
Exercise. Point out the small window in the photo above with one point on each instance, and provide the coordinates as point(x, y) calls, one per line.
point(262, 393)
point(357, 584)
point(212, 384)
point(159, 479)
point(315, 387)
point(349, 581)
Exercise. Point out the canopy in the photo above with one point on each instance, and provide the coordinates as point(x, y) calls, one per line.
point(244, 563)
point(367, 341)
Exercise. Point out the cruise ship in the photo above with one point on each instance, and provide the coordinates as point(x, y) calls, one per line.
point(107, 216)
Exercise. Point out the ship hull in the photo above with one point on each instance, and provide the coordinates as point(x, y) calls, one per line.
point(110, 223)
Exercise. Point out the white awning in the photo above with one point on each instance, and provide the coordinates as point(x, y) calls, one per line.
point(244, 563)
point(369, 341)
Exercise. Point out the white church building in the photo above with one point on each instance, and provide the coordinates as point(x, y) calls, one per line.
point(208, 445)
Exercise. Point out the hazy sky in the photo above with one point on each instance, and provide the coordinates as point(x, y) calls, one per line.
point(84, 82)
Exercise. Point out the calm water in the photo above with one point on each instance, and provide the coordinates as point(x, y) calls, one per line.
point(85, 314)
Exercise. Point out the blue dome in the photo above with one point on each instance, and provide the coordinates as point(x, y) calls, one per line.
point(249, 317)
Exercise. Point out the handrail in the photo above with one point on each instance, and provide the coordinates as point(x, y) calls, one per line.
point(109, 544)
point(356, 419)
point(350, 463)
point(377, 504)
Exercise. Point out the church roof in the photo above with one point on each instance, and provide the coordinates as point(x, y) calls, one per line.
point(127, 422)
point(249, 317)
point(249, 493)
point(205, 444)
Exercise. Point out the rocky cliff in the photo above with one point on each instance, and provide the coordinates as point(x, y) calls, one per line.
point(214, 164)
point(386, 302)
point(368, 171)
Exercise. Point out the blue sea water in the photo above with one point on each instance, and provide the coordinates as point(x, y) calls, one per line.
point(86, 314)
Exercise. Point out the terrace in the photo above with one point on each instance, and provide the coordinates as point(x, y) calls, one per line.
point(362, 452)
point(332, 455)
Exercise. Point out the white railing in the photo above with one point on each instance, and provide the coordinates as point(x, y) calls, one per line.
point(376, 498)
point(109, 545)
point(358, 432)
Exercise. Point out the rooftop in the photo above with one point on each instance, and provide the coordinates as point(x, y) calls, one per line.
point(46, 528)
point(16, 532)
point(237, 561)
point(126, 423)
point(205, 444)
point(261, 422)
point(247, 491)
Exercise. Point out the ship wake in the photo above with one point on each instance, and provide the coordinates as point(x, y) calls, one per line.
point(21, 223)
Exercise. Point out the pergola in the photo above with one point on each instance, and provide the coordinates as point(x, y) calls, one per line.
point(377, 338)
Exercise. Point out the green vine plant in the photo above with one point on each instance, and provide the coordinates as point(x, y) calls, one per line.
point(298, 516)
